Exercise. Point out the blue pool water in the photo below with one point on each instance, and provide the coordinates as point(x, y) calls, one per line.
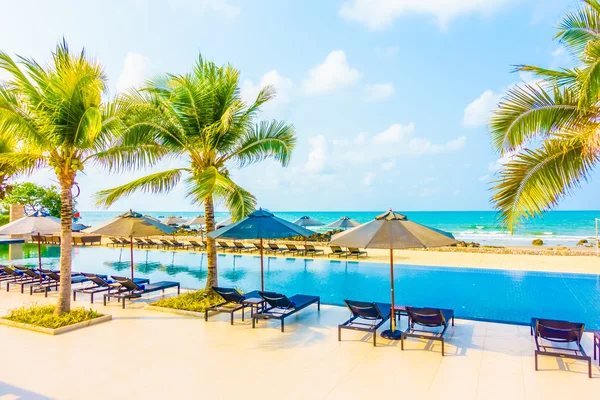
point(510, 296)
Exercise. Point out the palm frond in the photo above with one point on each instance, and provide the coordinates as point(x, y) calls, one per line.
point(580, 26)
point(535, 180)
point(160, 182)
point(564, 77)
point(269, 139)
point(528, 111)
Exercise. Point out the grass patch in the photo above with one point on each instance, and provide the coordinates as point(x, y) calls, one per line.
point(197, 301)
point(44, 316)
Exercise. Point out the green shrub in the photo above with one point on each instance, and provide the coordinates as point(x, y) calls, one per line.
point(537, 242)
point(197, 301)
point(44, 316)
point(582, 242)
point(4, 219)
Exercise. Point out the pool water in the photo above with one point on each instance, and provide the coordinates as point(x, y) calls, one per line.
point(496, 295)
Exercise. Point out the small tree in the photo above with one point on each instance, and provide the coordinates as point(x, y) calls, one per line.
point(35, 198)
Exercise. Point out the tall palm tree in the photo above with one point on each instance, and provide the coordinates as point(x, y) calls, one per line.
point(201, 117)
point(57, 116)
point(549, 130)
point(7, 146)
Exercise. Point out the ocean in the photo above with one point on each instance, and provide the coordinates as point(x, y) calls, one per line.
point(555, 228)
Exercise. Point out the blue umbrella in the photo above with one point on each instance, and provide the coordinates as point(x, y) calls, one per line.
point(260, 224)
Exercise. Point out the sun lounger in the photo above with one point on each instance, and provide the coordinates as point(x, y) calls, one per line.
point(124, 241)
point(131, 290)
point(556, 331)
point(152, 243)
point(366, 317)
point(293, 249)
point(273, 248)
point(140, 243)
point(258, 247)
point(28, 277)
point(99, 283)
point(336, 251)
point(9, 274)
point(225, 246)
point(355, 252)
point(310, 249)
point(232, 301)
point(53, 281)
point(166, 244)
point(197, 246)
point(115, 242)
point(77, 241)
point(427, 318)
point(239, 246)
point(279, 306)
point(178, 245)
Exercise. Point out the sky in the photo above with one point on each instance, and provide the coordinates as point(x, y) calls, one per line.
point(390, 98)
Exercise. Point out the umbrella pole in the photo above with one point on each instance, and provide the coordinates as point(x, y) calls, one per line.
point(392, 333)
point(131, 253)
point(262, 269)
point(39, 240)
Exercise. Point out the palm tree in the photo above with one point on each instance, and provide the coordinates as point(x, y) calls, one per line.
point(7, 146)
point(549, 129)
point(201, 117)
point(57, 115)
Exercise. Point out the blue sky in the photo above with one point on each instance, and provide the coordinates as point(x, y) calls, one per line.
point(389, 97)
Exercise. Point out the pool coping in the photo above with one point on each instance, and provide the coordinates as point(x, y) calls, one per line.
point(55, 331)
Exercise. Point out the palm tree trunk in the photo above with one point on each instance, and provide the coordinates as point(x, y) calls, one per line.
point(66, 239)
point(211, 250)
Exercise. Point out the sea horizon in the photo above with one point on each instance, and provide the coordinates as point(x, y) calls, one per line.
point(564, 227)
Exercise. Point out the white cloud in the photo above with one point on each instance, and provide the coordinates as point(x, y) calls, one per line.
point(386, 166)
point(559, 52)
point(429, 180)
point(380, 14)
point(393, 134)
point(495, 166)
point(135, 71)
point(484, 178)
point(379, 91)
point(333, 73)
point(478, 113)
point(317, 156)
point(368, 179)
point(222, 7)
point(273, 78)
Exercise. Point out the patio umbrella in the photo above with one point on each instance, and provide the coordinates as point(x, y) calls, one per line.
point(343, 223)
point(392, 231)
point(173, 220)
point(131, 224)
point(307, 221)
point(152, 218)
point(224, 223)
point(36, 224)
point(197, 220)
point(260, 224)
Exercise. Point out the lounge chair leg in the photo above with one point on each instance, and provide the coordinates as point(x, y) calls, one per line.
point(92, 298)
point(453, 321)
point(536, 361)
point(206, 315)
point(232, 318)
point(253, 322)
point(105, 300)
point(74, 296)
point(590, 368)
point(123, 303)
point(442, 347)
point(401, 342)
point(319, 305)
point(282, 328)
point(375, 339)
point(243, 312)
point(339, 334)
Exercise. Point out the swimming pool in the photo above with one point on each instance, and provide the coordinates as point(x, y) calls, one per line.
point(497, 295)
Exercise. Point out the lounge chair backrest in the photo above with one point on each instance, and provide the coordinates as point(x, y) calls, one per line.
point(353, 249)
point(364, 310)
point(239, 245)
point(273, 246)
point(138, 240)
point(309, 247)
point(229, 294)
point(127, 283)
point(164, 241)
point(277, 300)
point(336, 249)
point(77, 240)
point(51, 274)
point(95, 279)
point(9, 271)
point(291, 247)
point(29, 272)
point(175, 242)
point(194, 243)
point(150, 241)
point(426, 316)
point(114, 240)
point(559, 331)
point(257, 245)
point(223, 244)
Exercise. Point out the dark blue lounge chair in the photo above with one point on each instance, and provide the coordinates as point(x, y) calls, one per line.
point(100, 283)
point(279, 306)
point(233, 301)
point(373, 314)
point(556, 331)
point(131, 290)
point(427, 318)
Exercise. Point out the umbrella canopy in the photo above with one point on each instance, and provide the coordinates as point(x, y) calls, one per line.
point(75, 227)
point(392, 231)
point(223, 223)
point(32, 225)
point(152, 218)
point(197, 220)
point(307, 221)
point(131, 224)
point(173, 220)
point(343, 223)
point(260, 224)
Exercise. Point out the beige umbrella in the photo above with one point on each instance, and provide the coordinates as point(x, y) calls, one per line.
point(131, 224)
point(392, 231)
point(224, 223)
point(343, 223)
point(173, 220)
point(197, 220)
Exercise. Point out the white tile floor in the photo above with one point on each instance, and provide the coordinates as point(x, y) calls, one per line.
point(148, 354)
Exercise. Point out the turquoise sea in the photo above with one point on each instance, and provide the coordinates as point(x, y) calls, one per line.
point(557, 227)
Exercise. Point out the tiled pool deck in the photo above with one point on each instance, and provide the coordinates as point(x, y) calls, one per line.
point(148, 354)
